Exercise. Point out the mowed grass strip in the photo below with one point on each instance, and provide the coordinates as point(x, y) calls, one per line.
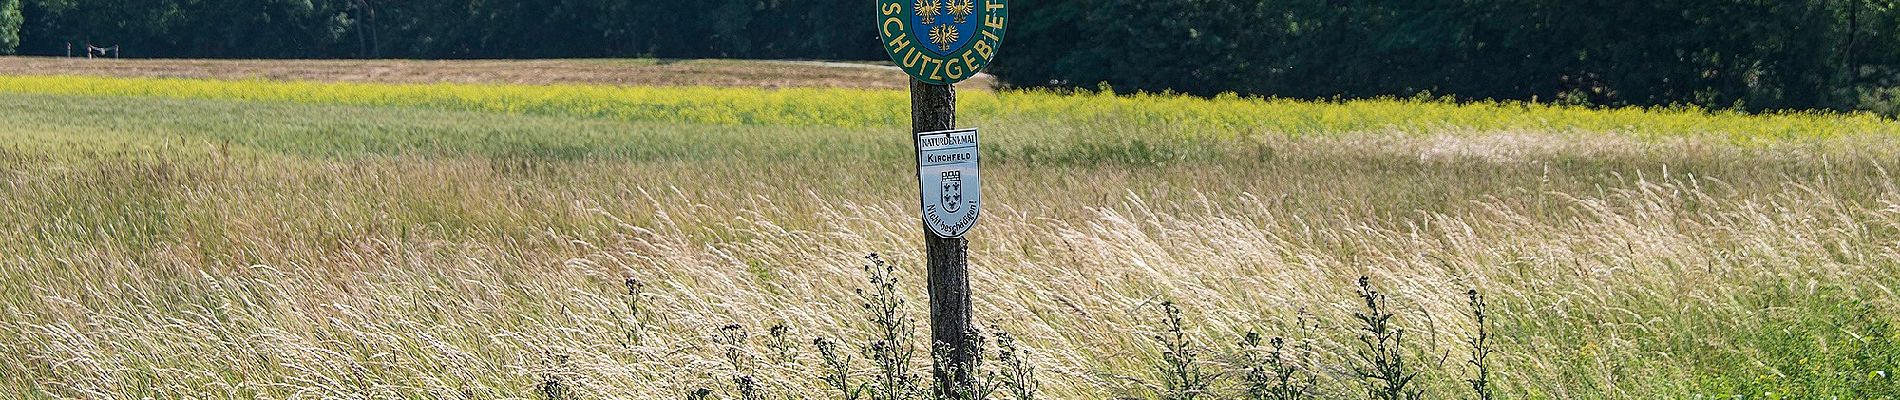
point(616, 72)
point(1165, 116)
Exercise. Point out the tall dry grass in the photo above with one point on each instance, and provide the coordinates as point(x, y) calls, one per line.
point(162, 264)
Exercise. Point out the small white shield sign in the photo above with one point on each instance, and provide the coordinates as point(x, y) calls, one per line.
point(947, 172)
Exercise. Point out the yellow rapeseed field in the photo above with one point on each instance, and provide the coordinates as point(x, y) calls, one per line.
point(1225, 116)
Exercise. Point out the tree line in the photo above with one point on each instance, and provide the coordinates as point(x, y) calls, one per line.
point(449, 29)
point(1752, 54)
point(1755, 54)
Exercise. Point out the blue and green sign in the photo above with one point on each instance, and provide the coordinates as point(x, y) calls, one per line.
point(942, 41)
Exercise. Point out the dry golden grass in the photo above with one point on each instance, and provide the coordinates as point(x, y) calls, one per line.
point(176, 248)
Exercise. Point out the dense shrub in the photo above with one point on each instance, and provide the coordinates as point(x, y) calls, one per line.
point(1749, 53)
point(9, 25)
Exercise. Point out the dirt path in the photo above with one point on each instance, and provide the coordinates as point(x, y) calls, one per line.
point(620, 72)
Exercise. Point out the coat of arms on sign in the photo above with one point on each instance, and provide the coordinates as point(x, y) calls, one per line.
point(952, 190)
point(941, 42)
point(944, 35)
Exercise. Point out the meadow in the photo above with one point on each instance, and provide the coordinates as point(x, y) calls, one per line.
point(191, 238)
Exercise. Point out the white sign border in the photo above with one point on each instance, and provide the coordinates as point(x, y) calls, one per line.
point(972, 187)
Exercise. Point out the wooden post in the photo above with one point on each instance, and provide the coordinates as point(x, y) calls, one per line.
point(934, 108)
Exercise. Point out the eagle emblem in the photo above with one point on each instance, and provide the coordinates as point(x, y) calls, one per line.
point(942, 41)
point(945, 24)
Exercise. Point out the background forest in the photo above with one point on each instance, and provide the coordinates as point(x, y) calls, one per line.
point(1749, 54)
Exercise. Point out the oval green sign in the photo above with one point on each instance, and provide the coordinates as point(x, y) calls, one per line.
point(942, 42)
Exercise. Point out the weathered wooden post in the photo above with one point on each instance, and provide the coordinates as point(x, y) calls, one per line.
point(934, 108)
point(940, 43)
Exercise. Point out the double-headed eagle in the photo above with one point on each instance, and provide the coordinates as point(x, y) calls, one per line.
point(944, 35)
point(960, 9)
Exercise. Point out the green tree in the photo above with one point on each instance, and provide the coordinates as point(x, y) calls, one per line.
point(1752, 54)
point(10, 20)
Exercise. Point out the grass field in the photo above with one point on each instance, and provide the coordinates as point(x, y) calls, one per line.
point(176, 238)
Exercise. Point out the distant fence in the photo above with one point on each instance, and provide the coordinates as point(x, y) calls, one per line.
point(92, 51)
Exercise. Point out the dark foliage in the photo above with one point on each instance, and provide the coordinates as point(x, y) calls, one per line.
point(1481, 387)
point(1382, 362)
point(827, 29)
point(10, 20)
point(1269, 373)
point(1183, 377)
point(1757, 54)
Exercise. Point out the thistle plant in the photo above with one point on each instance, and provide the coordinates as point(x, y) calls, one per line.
point(1183, 377)
point(747, 386)
point(554, 384)
point(780, 340)
point(1480, 348)
point(1382, 360)
point(890, 351)
point(1270, 375)
point(891, 348)
point(1018, 377)
point(978, 386)
point(835, 369)
point(631, 323)
point(734, 338)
